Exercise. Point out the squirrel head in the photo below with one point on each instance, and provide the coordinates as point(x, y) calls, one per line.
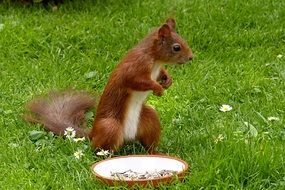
point(169, 47)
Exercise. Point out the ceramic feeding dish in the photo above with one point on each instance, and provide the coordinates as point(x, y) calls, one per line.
point(140, 170)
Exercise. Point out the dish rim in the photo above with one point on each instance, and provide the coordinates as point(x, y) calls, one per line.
point(185, 169)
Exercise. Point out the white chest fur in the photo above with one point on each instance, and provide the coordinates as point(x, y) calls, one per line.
point(134, 108)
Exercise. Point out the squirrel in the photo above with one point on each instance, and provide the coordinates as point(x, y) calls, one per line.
point(121, 115)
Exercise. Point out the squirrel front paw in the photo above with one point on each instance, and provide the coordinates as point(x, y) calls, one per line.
point(165, 80)
point(158, 90)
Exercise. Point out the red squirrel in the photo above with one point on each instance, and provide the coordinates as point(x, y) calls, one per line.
point(121, 115)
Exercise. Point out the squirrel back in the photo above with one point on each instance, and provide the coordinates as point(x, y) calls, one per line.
point(60, 110)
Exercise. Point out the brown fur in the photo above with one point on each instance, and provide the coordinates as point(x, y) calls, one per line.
point(132, 74)
point(149, 129)
point(61, 110)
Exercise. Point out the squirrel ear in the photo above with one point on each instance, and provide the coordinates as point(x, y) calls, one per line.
point(171, 23)
point(164, 31)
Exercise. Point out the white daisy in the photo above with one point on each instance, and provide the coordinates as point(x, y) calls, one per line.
point(103, 153)
point(225, 108)
point(273, 119)
point(176, 120)
point(219, 138)
point(78, 154)
point(69, 133)
point(79, 139)
point(13, 145)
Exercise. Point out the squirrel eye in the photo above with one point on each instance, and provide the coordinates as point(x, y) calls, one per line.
point(176, 47)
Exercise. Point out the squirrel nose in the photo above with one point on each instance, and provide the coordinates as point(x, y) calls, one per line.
point(190, 55)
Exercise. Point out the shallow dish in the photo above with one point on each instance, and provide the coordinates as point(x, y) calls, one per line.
point(142, 164)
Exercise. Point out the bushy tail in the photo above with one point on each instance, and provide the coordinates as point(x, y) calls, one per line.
point(60, 110)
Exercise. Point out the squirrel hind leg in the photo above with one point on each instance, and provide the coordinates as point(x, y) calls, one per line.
point(149, 129)
point(107, 134)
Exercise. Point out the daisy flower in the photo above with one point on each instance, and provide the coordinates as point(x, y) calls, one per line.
point(176, 120)
point(13, 145)
point(79, 139)
point(69, 133)
point(219, 138)
point(78, 154)
point(225, 108)
point(103, 153)
point(273, 119)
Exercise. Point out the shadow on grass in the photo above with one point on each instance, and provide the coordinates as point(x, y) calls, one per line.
point(67, 5)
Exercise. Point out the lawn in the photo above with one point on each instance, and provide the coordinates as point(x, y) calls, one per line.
point(239, 60)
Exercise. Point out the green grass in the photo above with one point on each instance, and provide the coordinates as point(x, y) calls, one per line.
point(235, 44)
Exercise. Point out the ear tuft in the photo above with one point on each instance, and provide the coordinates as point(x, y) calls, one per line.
point(171, 23)
point(164, 31)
